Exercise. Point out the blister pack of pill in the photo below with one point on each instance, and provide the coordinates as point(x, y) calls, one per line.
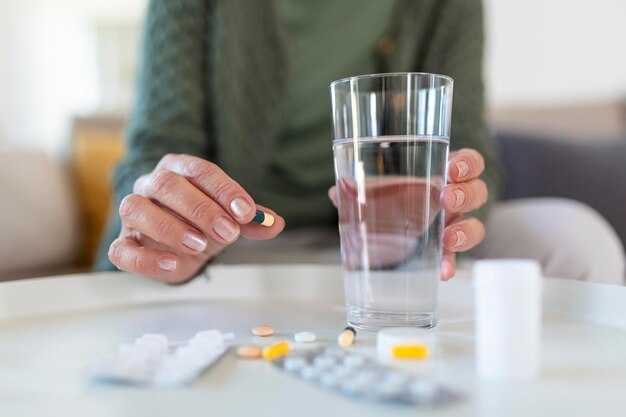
point(357, 375)
point(152, 360)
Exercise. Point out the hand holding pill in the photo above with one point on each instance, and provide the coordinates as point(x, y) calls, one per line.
point(182, 214)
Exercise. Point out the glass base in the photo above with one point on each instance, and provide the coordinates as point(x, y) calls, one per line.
point(376, 320)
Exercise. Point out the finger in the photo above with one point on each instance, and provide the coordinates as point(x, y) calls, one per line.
point(464, 165)
point(465, 196)
point(128, 255)
point(212, 181)
point(463, 234)
point(332, 194)
point(254, 231)
point(448, 265)
point(175, 192)
point(141, 214)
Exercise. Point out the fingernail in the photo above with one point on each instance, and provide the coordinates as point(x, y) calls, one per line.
point(226, 229)
point(463, 168)
point(461, 238)
point(459, 195)
point(240, 207)
point(167, 264)
point(194, 241)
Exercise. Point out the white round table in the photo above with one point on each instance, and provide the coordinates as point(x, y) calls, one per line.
point(52, 329)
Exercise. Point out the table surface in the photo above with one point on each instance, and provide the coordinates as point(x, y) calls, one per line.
point(52, 329)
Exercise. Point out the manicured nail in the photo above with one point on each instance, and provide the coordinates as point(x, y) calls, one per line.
point(194, 241)
point(226, 229)
point(240, 207)
point(463, 168)
point(167, 264)
point(459, 195)
point(461, 238)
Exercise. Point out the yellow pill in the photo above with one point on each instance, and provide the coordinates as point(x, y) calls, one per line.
point(249, 352)
point(263, 331)
point(409, 352)
point(346, 338)
point(276, 350)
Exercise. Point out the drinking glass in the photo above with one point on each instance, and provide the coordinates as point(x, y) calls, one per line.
point(390, 142)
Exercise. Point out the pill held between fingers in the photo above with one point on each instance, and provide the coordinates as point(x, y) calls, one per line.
point(262, 218)
point(305, 337)
point(249, 352)
point(276, 350)
point(346, 338)
point(263, 331)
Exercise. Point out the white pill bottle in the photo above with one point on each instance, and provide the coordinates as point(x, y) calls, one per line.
point(507, 302)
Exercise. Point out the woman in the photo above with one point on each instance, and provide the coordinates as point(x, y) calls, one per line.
point(232, 112)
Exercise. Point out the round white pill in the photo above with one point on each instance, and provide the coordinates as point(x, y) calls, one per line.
point(328, 380)
point(153, 346)
point(308, 372)
point(354, 361)
point(211, 336)
point(323, 362)
point(305, 337)
point(342, 371)
point(157, 337)
point(396, 379)
point(422, 389)
point(351, 386)
point(384, 391)
point(208, 341)
point(294, 364)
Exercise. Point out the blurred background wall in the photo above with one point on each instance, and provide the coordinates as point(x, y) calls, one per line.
point(62, 58)
point(553, 69)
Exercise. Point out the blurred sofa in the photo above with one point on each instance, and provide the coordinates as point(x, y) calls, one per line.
point(39, 217)
point(574, 151)
point(593, 172)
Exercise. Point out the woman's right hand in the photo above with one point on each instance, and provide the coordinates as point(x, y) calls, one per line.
point(180, 216)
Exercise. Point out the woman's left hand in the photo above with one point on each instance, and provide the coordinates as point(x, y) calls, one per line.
point(464, 192)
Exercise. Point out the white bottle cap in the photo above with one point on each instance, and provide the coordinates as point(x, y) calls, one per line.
point(503, 274)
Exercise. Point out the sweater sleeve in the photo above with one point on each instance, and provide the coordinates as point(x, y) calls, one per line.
point(170, 111)
point(456, 49)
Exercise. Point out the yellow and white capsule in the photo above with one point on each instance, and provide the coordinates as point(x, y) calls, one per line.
point(263, 218)
point(276, 350)
point(346, 338)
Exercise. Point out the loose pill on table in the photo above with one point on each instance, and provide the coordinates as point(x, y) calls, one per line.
point(346, 338)
point(276, 350)
point(263, 331)
point(409, 352)
point(305, 337)
point(249, 352)
point(262, 218)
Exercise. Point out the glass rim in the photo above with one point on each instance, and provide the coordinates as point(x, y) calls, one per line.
point(388, 74)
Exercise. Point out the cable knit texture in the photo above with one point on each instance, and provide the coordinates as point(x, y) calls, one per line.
point(213, 75)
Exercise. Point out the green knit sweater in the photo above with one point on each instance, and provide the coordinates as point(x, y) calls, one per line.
point(214, 77)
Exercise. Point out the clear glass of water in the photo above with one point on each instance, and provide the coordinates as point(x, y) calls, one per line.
point(390, 141)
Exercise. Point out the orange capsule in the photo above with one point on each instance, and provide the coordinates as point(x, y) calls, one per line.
point(276, 350)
